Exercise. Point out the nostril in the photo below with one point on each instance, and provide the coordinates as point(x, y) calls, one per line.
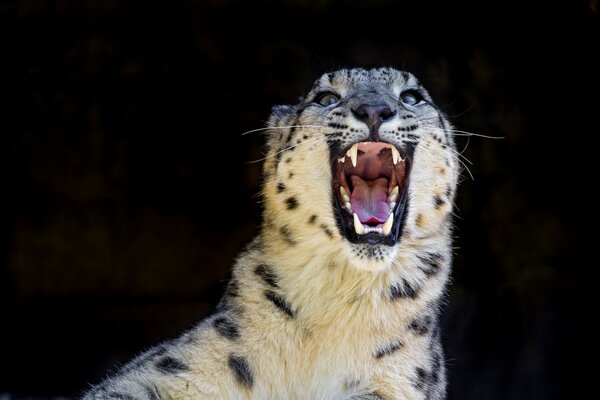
point(373, 114)
point(362, 112)
point(386, 113)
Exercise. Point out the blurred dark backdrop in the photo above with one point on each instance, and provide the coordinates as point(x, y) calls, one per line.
point(128, 192)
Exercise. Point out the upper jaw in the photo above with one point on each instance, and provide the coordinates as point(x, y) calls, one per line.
point(370, 182)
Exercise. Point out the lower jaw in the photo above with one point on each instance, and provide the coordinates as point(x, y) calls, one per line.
point(346, 224)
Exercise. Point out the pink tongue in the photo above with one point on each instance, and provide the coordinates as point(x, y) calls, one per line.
point(369, 200)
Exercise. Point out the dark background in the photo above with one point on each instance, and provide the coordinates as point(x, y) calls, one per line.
point(128, 192)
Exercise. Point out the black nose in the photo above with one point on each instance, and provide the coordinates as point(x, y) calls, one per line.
point(373, 114)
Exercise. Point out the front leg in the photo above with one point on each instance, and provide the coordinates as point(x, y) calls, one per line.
point(412, 378)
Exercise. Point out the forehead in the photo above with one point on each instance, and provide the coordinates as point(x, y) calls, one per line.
point(363, 78)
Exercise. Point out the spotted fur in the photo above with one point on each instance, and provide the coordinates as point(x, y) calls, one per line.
point(309, 314)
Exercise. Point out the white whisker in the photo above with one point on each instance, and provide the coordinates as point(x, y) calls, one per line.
point(281, 127)
point(456, 132)
point(459, 155)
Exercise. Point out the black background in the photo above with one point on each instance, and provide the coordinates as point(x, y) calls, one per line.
point(128, 189)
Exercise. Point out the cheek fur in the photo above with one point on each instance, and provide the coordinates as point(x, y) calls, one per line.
point(432, 186)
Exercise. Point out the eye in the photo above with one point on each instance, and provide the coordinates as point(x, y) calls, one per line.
point(326, 99)
point(411, 97)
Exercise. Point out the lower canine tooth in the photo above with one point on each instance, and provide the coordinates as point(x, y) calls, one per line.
point(344, 194)
point(387, 227)
point(358, 227)
point(393, 195)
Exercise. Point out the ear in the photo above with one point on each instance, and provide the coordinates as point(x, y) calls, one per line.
point(279, 114)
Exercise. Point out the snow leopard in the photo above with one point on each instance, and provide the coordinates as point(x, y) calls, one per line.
point(339, 295)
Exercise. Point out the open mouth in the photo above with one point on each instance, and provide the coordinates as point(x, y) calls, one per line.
point(370, 181)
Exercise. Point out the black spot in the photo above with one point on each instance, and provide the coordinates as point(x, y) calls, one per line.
point(147, 357)
point(448, 191)
point(241, 370)
point(265, 273)
point(232, 289)
point(327, 230)
point(280, 187)
point(256, 244)
point(120, 396)
point(421, 325)
point(291, 203)
point(370, 252)
point(228, 300)
point(280, 303)
point(389, 349)
point(439, 202)
point(436, 367)
point(422, 379)
point(152, 393)
point(226, 328)
point(436, 333)
point(287, 235)
point(170, 365)
point(291, 135)
point(432, 263)
point(403, 290)
point(304, 137)
point(288, 160)
point(312, 219)
point(290, 175)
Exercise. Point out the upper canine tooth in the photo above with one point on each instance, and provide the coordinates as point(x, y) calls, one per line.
point(393, 195)
point(358, 227)
point(353, 153)
point(387, 226)
point(395, 155)
point(345, 196)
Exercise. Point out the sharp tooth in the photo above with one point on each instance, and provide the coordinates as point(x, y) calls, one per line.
point(344, 194)
point(348, 206)
point(353, 153)
point(393, 195)
point(387, 227)
point(395, 155)
point(358, 227)
point(392, 205)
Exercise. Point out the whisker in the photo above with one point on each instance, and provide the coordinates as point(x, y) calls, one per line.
point(466, 111)
point(456, 132)
point(282, 127)
point(458, 155)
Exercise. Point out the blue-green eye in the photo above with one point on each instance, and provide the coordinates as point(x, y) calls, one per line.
point(326, 99)
point(411, 97)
